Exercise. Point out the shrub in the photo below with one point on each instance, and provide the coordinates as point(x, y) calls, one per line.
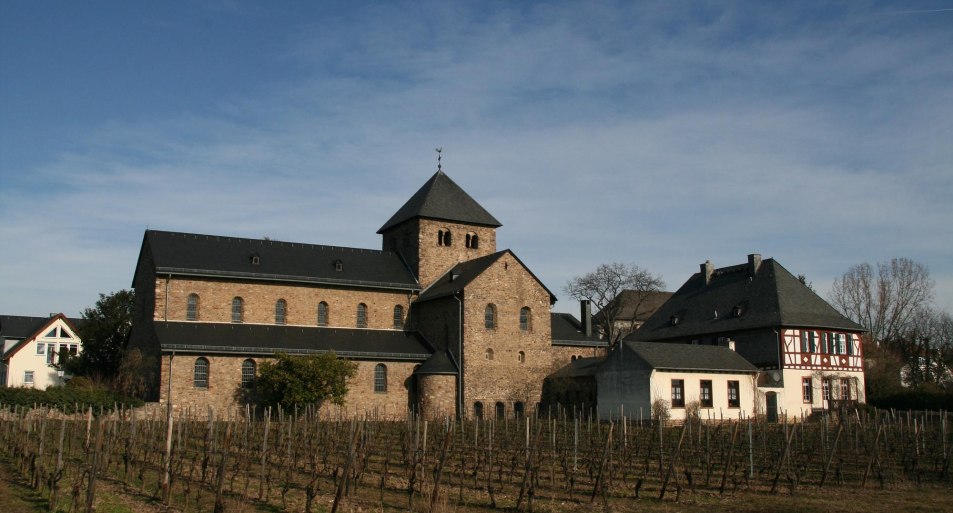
point(65, 398)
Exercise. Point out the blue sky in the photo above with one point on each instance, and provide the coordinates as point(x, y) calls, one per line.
point(655, 133)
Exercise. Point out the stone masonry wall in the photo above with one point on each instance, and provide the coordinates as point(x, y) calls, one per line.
point(437, 395)
point(215, 302)
point(504, 378)
point(417, 239)
point(224, 385)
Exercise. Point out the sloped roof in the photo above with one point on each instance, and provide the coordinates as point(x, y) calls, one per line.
point(630, 299)
point(263, 339)
point(217, 256)
point(665, 356)
point(770, 297)
point(442, 198)
point(19, 326)
point(460, 275)
point(25, 329)
point(579, 368)
point(567, 331)
point(439, 363)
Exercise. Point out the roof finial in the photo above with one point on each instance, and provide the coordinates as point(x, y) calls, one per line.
point(439, 151)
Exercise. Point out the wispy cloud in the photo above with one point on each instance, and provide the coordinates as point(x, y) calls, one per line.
point(658, 133)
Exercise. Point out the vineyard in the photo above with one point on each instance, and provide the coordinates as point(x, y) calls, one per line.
point(302, 461)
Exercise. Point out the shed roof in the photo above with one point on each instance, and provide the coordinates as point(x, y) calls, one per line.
point(263, 339)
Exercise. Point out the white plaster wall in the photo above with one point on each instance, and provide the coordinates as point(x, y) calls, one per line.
point(791, 399)
point(662, 389)
point(26, 359)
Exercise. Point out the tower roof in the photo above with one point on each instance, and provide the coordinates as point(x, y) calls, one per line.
point(441, 198)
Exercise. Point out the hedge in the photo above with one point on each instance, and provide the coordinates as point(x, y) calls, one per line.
point(64, 398)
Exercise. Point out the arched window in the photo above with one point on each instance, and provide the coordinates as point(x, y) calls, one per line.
point(362, 315)
point(200, 373)
point(518, 409)
point(398, 317)
point(489, 317)
point(473, 241)
point(478, 410)
point(380, 378)
point(444, 238)
point(238, 309)
point(500, 410)
point(192, 308)
point(322, 314)
point(280, 307)
point(525, 319)
point(248, 373)
point(488, 355)
point(521, 357)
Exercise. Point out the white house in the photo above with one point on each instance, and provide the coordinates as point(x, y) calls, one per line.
point(31, 345)
point(715, 381)
point(809, 355)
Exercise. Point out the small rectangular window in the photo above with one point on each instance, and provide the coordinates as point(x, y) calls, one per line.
point(826, 389)
point(734, 394)
point(41, 349)
point(845, 389)
point(704, 395)
point(807, 390)
point(27, 377)
point(678, 393)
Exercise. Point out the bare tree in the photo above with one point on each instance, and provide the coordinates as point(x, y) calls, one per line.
point(887, 302)
point(603, 286)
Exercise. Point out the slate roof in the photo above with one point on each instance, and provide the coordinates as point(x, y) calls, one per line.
point(630, 299)
point(25, 328)
point(771, 297)
point(567, 331)
point(264, 339)
point(232, 257)
point(439, 363)
point(460, 275)
point(21, 326)
point(664, 356)
point(579, 368)
point(442, 198)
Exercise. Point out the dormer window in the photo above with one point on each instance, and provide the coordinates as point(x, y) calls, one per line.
point(338, 265)
point(736, 311)
point(255, 259)
point(674, 320)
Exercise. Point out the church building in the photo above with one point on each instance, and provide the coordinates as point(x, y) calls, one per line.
point(439, 321)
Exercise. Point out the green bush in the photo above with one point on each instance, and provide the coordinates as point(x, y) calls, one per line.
point(65, 398)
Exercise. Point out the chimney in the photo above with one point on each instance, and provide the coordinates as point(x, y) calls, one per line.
point(706, 270)
point(754, 263)
point(585, 315)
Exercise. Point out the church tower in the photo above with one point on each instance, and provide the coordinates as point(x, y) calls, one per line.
point(438, 227)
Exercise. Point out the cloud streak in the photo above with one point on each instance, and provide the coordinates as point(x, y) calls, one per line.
point(661, 134)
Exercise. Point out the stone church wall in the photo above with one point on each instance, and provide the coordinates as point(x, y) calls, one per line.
point(224, 386)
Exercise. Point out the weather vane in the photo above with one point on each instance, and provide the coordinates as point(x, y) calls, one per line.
point(439, 151)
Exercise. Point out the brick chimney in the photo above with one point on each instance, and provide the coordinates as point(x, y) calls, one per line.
point(706, 270)
point(754, 263)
